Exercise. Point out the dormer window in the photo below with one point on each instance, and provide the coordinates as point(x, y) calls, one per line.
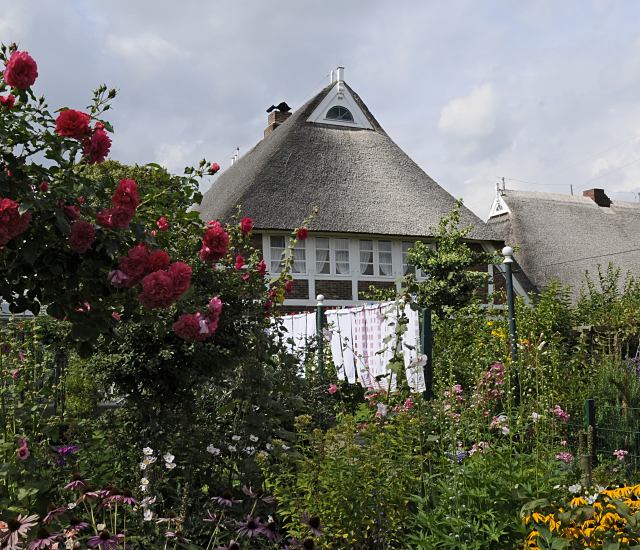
point(339, 113)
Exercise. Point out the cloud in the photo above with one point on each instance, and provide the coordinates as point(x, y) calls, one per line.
point(470, 117)
point(146, 51)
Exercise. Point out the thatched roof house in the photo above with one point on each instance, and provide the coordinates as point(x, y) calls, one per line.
point(560, 237)
point(373, 201)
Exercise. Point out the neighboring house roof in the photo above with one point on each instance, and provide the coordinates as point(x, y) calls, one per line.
point(359, 179)
point(562, 236)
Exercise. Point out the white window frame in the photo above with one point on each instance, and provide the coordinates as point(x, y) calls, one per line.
point(266, 247)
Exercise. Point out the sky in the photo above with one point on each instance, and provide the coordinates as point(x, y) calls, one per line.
point(542, 93)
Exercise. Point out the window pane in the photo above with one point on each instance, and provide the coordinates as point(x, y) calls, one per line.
point(342, 256)
point(322, 256)
point(406, 268)
point(299, 258)
point(276, 249)
point(385, 261)
point(366, 257)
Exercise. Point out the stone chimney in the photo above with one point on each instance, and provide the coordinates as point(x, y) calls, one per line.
point(598, 196)
point(275, 119)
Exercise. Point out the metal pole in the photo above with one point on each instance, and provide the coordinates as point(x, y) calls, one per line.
point(426, 341)
point(319, 335)
point(590, 426)
point(507, 251)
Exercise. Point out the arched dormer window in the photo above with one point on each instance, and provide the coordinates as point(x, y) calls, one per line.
point(339, 113)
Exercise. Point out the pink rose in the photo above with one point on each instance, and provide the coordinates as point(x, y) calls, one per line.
point(162, 223)
point(8, 101)
point(157, 290)
point(302, 233)
point(332, 389)
point(158, 260)
point(126, 195)
point(21, 71)
point(246, 225)
point(82, 236)
point(73, 124)
point(181, 275)
point(96, 148)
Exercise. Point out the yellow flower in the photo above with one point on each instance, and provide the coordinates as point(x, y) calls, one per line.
point(577, 501)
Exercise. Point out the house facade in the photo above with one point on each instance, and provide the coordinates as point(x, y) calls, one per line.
point(372, 201)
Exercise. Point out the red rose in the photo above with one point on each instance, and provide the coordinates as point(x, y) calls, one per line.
point(120, 217)
point(188, 328)
point(21, 70)
point(288, 286)
point(302, 233)
point(73, 124)
point(98, 126)
point(8, 101)
point(4, 236)
point(215, 242)
point(82, 236)
point(44, 186)
point(80, 200)
point(181, 275)
point(261, 267)
point(246, 225)
point(135, 263)
point(215, 306)
point(239, 261)
point(72, 211)
point(126, 195)
point(162, 223)
point(157, 290)
point(96, 148)
point(12, 223)
point(158, 260)
point(214, 168)
point(103, 218)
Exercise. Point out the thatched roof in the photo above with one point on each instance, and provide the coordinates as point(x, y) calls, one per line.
point(359, 179)
point(562, 236)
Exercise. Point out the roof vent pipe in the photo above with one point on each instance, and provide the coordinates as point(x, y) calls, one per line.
point(333, 77)
point(340, 74)
point(598, 196)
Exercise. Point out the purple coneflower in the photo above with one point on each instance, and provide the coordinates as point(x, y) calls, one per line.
point(226, 499)
point(16, 529)
point(54, 513)
point(77, 525)
point(270, 530)
point(77, 482)
point(43, 539)
point(105, 540)
point(233, 545)
point(211, 518)
point(251, 527)
point(125, 497)
point(65, 450)
point(313, 523)
point(258, 494)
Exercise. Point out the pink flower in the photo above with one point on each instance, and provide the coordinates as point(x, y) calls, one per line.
point(302, 233)
point(239, 261)
point(215, 306)
point(214, 168)
point(116, 315)
point(408, 404)
point(82, 236)
point(118, 278)
point(162, 223)
point(246, 225)
point(620, 454)
point(21, 70)
point(23, 449)
point(8, 101)
point(15, 373)
point(560, 414)
point(288, 286)
point(332, 389)
point(73, 124)
point(96, 148)
point(261, 268)
point(565, 457)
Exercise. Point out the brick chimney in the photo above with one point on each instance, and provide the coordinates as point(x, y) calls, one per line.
point(598, 196)
point(275, 119)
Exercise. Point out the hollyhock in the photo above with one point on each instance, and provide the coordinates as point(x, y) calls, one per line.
point(73, 124)
point(82, 236)
point(162, 223)
point(135, 263)
point(158, 260)
point(126, 195)
point(215, 242)
point(157, 290)
point(565, 457)
point(288, 286)
point(620, 454)
point(239, 261)
point(23, 449)
point(246, 225)
point(96, 148)
point(8, 101)
point(261, 268)
point(302, 233)
point(21, 70)
point(181, 276)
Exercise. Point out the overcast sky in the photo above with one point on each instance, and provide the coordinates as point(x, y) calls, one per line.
point(538, 92)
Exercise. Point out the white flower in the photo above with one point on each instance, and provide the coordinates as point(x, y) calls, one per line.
point(147, 501)
point(575, 488)
point(250, 450)
point(101, 526)
point(285, 447)
point(268, 446)
point(535, 416)
point(168, 457)
point(236, 438)
point(144, 484)
point(592, 498)
point(148, 515)
point(169, 465)
point(232, 448)
point(505, 430)
point(254, 438)
point(147, 451)
point(213, 450)
point(382, 410)
point(71, 505)
point(143, 465)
